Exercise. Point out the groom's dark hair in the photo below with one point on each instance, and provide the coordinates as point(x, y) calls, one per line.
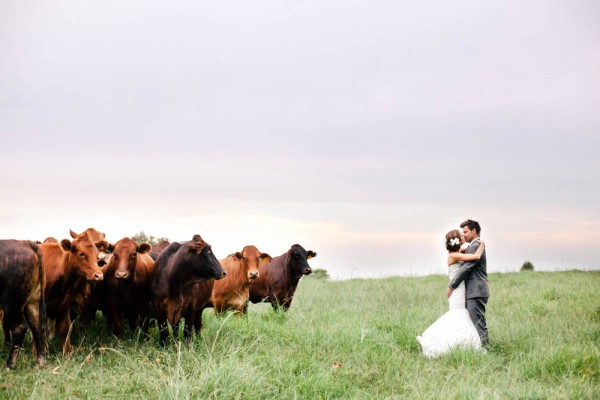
point(472, 225)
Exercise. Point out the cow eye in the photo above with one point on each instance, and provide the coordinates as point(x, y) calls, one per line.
point(133, 255)
point(208, 251)
point(82, 255)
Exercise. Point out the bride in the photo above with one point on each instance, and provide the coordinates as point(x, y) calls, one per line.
point(454, 328)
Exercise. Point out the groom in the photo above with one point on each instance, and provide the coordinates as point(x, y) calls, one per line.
point(474, 273)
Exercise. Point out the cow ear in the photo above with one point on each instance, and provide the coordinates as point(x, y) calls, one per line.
point(196, 247)
point(265, 258)
point(73, 234)
point(102, 245)
point(66, 244)
point(196, 238)
point(310, 254)
point(238, 255)
point(143, 248)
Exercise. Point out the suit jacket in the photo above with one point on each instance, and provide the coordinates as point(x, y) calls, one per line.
point(474, 273)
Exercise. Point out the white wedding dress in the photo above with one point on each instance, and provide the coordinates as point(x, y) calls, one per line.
point(453, 329)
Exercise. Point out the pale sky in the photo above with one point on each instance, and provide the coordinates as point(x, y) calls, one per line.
point(362, 130)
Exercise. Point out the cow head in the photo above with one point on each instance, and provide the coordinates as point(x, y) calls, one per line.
point(96, 237)
point(299, 259)
point(84, 257)
point(199, 256)
point(124, 258)
point(250, 258)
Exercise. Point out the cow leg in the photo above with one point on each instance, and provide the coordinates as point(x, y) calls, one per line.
point(277, 306)
point(132, 318)
point(198, 321)
point(37, 325)
point(163, 330)
point(145, 324)
point(114, 321)
point(5, 330)
point(188, 316)
point(18, 328)
point(63, 326)
point(287, 303)
point(146, 327)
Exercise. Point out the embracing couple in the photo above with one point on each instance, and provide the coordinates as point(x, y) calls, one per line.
point(464, 325)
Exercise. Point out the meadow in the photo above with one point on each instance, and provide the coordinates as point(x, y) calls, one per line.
point(352, 339)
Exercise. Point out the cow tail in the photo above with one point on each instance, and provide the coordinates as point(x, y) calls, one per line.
point(43, 318)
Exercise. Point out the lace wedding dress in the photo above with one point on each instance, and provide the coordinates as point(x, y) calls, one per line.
point(454, 328)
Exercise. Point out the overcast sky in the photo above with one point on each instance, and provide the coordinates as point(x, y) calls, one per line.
point(363, 130)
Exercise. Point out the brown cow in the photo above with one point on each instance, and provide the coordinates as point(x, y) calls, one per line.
point(242, 269)
point(279, 278)
point(177, 270)
point(126, 285)
point(84, 290)
point(67, 266)
point(93, 233)
point(21, 287)
point(97, 237)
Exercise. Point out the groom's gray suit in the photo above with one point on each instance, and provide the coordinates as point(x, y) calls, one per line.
point(474, 274)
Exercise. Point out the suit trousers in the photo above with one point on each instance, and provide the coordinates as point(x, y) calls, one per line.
point(476, 308)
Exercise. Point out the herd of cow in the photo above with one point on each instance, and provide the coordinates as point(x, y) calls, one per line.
point(49, 283)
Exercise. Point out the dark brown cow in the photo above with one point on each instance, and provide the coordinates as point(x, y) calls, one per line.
point(126, 285)
point(242, 270)
point(67, 266)
point(177, 270)
point(21, 287)
point(158, 248)
point(199, 299)
point(279, 278)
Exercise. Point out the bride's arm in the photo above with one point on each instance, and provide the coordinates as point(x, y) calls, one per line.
point(470, 257)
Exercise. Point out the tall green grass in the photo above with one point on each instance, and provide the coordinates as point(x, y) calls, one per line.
point(349, 340)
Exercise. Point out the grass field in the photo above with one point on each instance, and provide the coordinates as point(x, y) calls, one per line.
point(349, 340)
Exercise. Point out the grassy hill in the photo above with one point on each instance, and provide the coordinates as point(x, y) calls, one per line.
point(350, 340)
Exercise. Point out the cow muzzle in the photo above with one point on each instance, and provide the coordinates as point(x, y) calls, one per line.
point(252, 275)
point(98, 276)
point(306, 271)
point(223, 275)
point(121, 275)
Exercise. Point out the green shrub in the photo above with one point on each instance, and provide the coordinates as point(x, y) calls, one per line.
point(527, 266)
point(320, 273)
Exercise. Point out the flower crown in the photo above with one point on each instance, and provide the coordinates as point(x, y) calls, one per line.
point(454, 241)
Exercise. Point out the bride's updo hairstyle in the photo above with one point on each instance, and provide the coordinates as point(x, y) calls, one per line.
point(453, 240)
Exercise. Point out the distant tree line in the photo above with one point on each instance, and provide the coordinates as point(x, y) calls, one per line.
point(141, 237)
